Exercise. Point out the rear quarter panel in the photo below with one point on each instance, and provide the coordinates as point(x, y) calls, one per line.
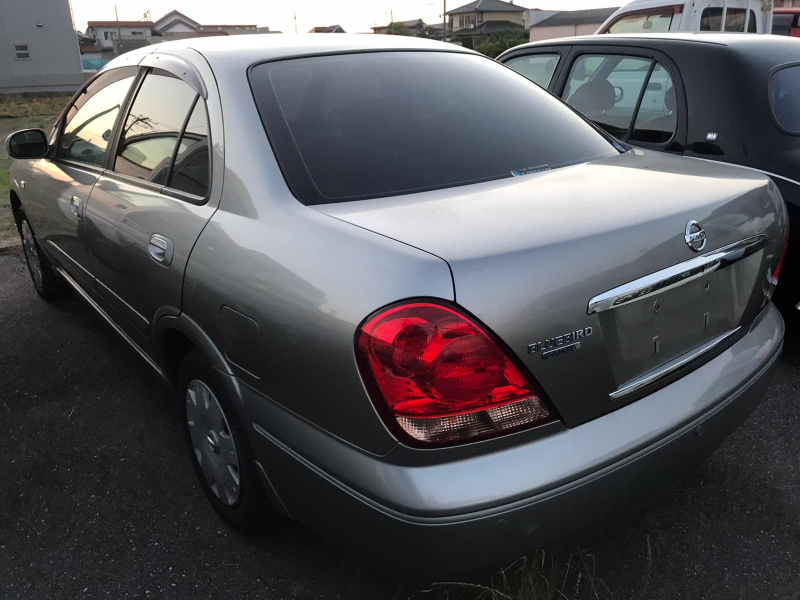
point(307, 280)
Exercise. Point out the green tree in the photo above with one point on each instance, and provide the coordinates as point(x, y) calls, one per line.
point(397, 28)
point(500, 41)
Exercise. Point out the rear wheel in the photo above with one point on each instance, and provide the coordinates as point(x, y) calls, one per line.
point(47, 283)
point(218, 447)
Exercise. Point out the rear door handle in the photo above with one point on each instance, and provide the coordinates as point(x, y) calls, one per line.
point(161, 249)
point(76, 207)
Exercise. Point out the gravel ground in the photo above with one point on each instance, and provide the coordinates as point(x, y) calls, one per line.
point(98, 498)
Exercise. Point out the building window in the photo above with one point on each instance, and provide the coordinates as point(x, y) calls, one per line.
point(21, 52)
point(137, 32)
point(106, 35)
point(480, 17)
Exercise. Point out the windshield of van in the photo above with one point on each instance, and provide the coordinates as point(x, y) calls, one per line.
point(366, 125)
point(644, 22)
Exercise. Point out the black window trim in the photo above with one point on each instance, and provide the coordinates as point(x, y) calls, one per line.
point(638, 106)
point(148, 185)
point(654, 57)
point(774, 116)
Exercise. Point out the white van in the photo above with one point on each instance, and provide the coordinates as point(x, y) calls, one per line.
point(661, 16)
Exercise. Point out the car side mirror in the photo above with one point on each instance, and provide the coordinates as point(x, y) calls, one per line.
point(28, 143)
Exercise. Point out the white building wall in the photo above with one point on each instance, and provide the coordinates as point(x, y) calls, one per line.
point(45, 26)
point(107, 41)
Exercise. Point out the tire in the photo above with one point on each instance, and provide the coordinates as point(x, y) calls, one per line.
point(46, 281)
point(218, 447)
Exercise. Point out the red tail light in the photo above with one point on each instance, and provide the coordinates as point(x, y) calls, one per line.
point(441, 377)
point(779, 267)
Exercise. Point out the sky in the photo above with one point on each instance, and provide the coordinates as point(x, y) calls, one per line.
point(353, 15)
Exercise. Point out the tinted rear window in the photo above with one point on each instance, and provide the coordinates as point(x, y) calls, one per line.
point(784, 91)
point(356, 126)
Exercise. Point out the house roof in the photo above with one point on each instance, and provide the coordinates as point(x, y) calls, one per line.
point(201, 27)
point(486, 6)
point(174, 15)
point(119, 24)
point(486, 28)
point(578, 17)
point(186, 35)
point(411, 23)
point(327, 29)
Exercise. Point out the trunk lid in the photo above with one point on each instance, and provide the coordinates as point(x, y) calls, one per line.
point(528, 255)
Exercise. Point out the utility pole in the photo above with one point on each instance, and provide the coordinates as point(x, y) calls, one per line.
point(444, 21)
point(295, 20)
point(119, 31)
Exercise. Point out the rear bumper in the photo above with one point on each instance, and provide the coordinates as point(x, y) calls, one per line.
point(435, 519)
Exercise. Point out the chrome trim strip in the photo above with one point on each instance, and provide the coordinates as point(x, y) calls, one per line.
point(127, 306)
point(75, 262)
point(670, 367)
point(676, 275)
point(76, 286)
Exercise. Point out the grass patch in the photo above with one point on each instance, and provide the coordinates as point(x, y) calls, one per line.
point(546, 575)
point(24, 105)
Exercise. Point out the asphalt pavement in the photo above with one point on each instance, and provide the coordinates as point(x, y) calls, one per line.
point(98, 498)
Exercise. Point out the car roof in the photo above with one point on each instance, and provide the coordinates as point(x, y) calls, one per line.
point(253, 48)
point(732, 40)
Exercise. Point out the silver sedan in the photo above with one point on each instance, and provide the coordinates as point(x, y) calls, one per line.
point(403, 295)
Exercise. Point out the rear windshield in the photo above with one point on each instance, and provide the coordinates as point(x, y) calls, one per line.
point(357, 126)
point(784, 91)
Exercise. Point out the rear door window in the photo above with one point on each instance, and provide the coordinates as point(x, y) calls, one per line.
point(711, 20)
point(631, 98)
point(539, 68)
point(153, 127)
point(606, 89)
point(367, 125)
point(784, 92)
point(657, 118)
point(647, 22)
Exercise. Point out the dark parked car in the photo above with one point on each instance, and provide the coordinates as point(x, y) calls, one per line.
point(722, 97)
